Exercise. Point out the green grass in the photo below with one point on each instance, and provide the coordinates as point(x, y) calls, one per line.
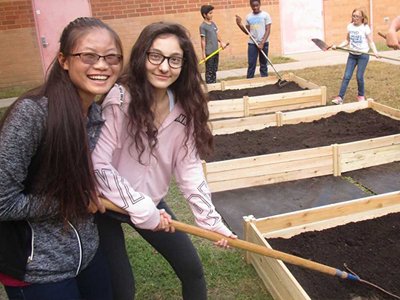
point(381, 46)
point(11, 92)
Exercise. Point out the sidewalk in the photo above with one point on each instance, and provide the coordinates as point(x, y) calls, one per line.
point(302, 61)
point(309, 60)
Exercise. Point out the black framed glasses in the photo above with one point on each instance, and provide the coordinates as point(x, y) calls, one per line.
point(91, 58)
point(155, 58)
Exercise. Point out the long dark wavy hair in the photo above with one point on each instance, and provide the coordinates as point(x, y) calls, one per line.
point(189, 91)
point(62, 169)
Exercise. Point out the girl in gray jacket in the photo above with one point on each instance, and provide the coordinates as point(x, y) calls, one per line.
point(48, 240)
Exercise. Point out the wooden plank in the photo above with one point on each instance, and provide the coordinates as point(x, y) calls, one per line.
point(283, 99)
point(249, 82)
point(217, 186)
point(303, 83)
point(317, 113)
point(214, 87)
point(277, 278)
point(369, 158)
point(232, 108)
point(329, 223)
point(286, 167)
point(386, 110)
point(378, 142)
point(314, 96)
point(314, 215)
point(266, 159)
point(236, 125)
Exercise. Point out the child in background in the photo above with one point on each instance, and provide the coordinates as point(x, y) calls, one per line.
point(258, 23)
point(359, 38)
point(209, 42)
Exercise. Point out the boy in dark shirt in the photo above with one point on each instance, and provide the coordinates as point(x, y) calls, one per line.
point(209, 42)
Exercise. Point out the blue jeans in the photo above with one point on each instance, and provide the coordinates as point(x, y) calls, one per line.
point(93, 283)
point(361, 62)
point(252, 54)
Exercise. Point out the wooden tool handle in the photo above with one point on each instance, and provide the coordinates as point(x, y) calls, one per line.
point(244, 245)
point(382, 34)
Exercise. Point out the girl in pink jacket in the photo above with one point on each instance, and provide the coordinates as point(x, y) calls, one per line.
point(155, 130)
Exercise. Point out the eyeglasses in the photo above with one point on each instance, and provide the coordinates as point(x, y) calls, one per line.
point(92, 58)
point(356, 16)
point(175, 62)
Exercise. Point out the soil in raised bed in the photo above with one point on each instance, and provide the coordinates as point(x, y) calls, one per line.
point(340, 128)
point(255, 91)
point(369, 248)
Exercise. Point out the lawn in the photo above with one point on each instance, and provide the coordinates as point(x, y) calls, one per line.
point(228, 276)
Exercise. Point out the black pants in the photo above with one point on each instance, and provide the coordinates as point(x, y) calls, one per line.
point(212, 68)
point(92, 283)
point(176, 248)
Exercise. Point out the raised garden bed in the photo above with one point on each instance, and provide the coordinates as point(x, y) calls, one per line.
point(283, 284)
point(310, 161)
point(298, 94)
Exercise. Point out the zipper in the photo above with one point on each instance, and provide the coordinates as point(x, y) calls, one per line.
point(80, 247)
point(30, 257)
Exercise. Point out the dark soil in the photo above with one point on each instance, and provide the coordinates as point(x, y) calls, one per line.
point(369, 248)
point(341, 128)
point(289, 86)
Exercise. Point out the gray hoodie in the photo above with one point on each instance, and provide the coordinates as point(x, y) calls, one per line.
point(57, 251)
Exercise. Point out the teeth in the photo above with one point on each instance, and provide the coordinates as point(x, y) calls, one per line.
point(98, 77)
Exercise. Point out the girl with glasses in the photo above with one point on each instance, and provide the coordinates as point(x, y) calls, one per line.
point(156, 129)
point(48, 238)
point(359, 38)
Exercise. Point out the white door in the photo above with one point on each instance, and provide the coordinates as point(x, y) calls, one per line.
point(51, 16)
point(301, 20)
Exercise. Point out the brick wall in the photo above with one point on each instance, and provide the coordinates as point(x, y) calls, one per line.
point(20, 56)
point(16, 15)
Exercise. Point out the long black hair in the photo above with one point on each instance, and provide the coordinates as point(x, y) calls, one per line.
point(62, 168)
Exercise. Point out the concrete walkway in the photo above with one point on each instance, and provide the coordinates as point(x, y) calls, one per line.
point(302, 61)
point(309, 60)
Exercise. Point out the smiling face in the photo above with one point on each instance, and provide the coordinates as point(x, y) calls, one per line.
point(96, 79)
point(162, 76)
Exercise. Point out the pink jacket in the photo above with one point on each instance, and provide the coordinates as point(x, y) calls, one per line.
point(138, 188)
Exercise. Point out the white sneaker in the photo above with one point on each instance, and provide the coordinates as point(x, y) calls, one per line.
point(337, 100)
point(360, 98)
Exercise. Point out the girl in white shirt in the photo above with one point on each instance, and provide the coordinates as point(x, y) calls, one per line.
point(359, 38)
